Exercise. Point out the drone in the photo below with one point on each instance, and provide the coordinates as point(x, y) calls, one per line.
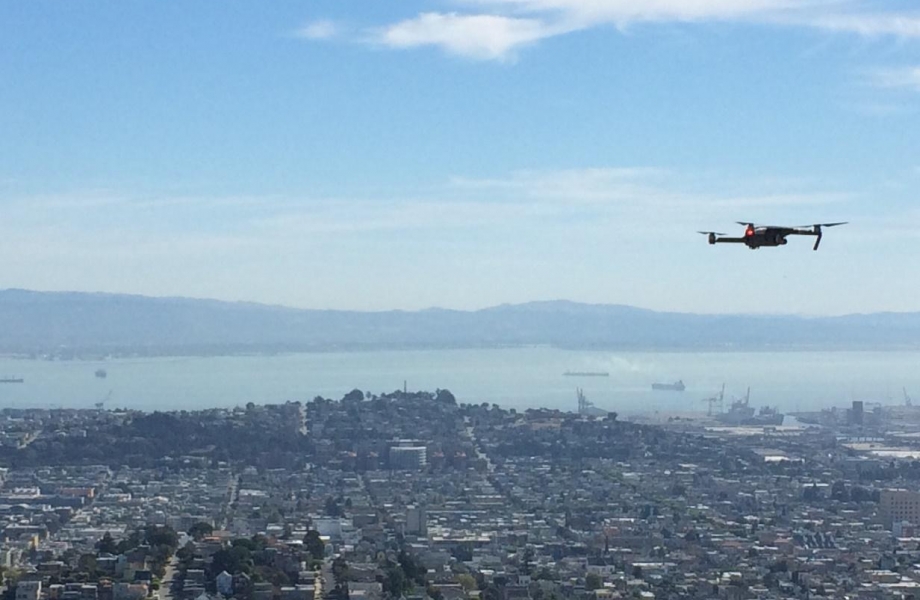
point(756, 236)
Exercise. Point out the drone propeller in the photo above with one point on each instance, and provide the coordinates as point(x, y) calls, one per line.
point(821, 225)
point(711, 233)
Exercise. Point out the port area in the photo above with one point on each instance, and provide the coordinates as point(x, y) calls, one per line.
point(869, 433)
point(700, 421)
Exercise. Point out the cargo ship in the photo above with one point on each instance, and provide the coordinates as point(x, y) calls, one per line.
point(768, 416)
point(11, 380)
point(742, 413)
point(677, 386)
point(586, 407)
point(586, 374)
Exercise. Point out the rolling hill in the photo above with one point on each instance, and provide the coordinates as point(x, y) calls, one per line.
point(45, 322)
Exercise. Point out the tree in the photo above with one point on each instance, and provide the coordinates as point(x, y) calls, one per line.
point(462, 552)
point(353, 397)
point(395, 582)
point(106, 544)
point(414, 571)
point(593, 581)
point(186, 553)
point(810, 493)
point(200, 530)
point(340, 569)
point(332, 508)
point(313, 544)
point(445, 396)
point(87, 564)
point(466, 581)
point(491, 593)
point(232, 560)
point(340, 591)
point(161, 536)
point(839, 491)
point(434, 593)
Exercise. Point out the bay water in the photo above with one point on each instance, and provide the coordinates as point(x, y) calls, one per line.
point(517, 378)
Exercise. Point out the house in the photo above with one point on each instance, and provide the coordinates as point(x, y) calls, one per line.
point(224, 583)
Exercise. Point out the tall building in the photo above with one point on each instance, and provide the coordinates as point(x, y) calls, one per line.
point(417, 521)
point(856, 413)
point(896, 506)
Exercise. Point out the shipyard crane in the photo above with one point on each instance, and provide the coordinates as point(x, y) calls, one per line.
point(101, 404)
point(747, 398)
point(715, 401)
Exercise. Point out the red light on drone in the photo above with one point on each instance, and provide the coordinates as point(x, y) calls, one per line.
point(749, 231)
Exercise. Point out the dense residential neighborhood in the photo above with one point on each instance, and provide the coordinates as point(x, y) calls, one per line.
point(414, 495)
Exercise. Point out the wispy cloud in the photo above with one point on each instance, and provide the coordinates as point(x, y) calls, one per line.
point(497, 29)
point(619, 197)
point(901, 25)
point(322, 29)
point(906, 78)
point(468, 232)
point(589, 13)
point(669, 194)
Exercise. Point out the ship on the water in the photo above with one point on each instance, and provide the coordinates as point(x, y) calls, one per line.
point(11, 380)
point(586, 407)
point(741, 413)
point(586, 374)
point(677, 386)
point(101, 374)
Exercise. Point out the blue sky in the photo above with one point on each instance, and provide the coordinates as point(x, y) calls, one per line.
point(462, 153)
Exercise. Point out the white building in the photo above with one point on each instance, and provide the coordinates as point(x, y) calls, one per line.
point(408, 458)
point(28, 590)
point(224, 583)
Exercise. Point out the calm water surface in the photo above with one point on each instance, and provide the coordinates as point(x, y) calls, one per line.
point(518, 378)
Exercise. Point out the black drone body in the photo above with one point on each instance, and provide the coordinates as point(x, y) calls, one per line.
point(757, 236)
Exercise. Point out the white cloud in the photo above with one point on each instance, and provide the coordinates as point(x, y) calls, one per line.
point(896, 78)
point(496, 29)
point(475, 36)
point(621, 12)
point(319, 30)
point(870, 24)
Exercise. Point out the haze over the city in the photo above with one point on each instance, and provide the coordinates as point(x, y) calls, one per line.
point(369, 156)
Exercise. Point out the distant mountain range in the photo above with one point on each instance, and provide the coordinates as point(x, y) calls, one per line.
point(86, 324)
